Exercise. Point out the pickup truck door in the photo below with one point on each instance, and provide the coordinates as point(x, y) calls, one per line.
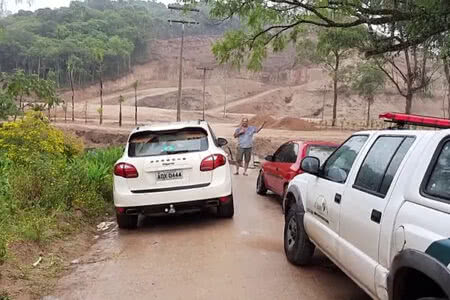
point(326, 192)
point(362, 209)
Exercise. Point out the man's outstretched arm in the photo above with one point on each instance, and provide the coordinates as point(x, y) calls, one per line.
point(261, 128)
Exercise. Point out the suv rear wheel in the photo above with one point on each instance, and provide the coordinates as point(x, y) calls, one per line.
point(297, 246)
point(127, 221)
point(226, 210)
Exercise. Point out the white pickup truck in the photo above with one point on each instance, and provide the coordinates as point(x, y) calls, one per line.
point(379, 208)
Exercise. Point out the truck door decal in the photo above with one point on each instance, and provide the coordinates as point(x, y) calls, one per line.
point(440, 250)
point(321, 209)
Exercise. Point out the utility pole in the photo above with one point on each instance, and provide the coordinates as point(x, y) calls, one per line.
point(226, 92)
point(204, 87)
point(183, 23)
point(323, 101)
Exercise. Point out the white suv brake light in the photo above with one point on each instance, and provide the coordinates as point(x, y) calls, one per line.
point(212, 162)
point(126, 170)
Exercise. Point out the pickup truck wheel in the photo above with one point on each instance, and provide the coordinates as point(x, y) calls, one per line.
point(297, 246)
point(260, 186)
point(127, 221)
point(226, 210)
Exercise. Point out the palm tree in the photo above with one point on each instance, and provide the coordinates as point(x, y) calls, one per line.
point(121, 100)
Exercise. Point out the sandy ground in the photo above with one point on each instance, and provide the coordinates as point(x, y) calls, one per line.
point(201, 257)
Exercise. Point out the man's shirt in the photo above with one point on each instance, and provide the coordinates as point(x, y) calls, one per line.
point(246, 139)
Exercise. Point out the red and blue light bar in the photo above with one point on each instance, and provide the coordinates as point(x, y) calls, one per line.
point(408, 119)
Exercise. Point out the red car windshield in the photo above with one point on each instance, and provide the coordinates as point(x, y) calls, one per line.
point(322, 152)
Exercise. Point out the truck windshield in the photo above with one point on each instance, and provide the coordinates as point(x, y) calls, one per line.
point(153, 143)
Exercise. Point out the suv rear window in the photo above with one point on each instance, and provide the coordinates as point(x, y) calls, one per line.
point(438, 184)
point(153, 143)
point(322, 152)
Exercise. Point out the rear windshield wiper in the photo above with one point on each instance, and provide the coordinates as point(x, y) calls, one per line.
point(176, 152)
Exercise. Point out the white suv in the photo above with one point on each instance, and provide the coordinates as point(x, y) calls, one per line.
point(379, 208)
point(172, 168)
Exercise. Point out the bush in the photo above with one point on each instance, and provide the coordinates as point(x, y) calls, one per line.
point(46, 180)
point(100, 165)
point(21, 139)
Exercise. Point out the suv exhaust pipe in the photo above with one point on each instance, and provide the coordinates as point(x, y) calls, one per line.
point(132, 211)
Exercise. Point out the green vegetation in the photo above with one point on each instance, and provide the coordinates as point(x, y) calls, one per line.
point(48, 185)
point(272, 23)
point(90, 40)
point(19, 90)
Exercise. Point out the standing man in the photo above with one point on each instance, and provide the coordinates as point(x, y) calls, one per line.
point(245, 135)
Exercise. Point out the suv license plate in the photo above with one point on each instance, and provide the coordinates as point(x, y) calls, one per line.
point(169, 175)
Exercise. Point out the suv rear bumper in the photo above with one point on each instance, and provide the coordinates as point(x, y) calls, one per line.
point(220, 187)
point(174, 208)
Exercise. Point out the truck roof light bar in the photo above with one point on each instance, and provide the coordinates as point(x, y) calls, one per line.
point(407, 119)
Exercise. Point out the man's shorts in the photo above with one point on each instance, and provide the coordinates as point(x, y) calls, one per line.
point(244, 153)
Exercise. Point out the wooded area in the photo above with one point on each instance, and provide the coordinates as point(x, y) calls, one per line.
point(89, 40)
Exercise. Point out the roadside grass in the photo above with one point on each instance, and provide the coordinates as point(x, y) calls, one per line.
point(50, 190)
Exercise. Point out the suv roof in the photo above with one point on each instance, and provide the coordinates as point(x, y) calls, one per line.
point(170, 126)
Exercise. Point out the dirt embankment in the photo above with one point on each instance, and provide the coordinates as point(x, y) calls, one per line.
point(287, 123)
point(99, 138)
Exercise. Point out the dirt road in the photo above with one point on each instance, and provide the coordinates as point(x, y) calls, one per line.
point(201, 257)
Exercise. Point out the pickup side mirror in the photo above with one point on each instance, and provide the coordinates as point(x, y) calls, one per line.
point(269, 158)
point(310, 165)
point(222, 142)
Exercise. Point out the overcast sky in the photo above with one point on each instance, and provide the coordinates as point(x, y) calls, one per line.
point(12, 6)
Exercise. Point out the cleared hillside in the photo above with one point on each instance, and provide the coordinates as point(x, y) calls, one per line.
point(282, 88)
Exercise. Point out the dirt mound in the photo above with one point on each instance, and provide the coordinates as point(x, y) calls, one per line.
point(287, 123)
point(192, 99)
point(290, 123)
point(258, 120)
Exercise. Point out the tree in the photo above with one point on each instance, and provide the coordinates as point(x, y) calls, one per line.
point(409, 71)
point(7, 105)
point(72, 64)
point(19, 85)
point(444, 47)
point(121, 100)
point(331, 48)
point(135, 86)
point(98, 55)
point(64, 106)
point(45, 91)
point(273, 22)
point(368, 81)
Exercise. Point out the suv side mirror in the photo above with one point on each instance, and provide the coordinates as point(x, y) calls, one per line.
point(269, 158)
point(310, 165)
point(222, 142)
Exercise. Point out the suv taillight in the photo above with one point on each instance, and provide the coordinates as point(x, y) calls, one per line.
point(125, 170)
point(212, 162)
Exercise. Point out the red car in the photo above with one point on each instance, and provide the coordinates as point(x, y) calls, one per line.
point(280, 168)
